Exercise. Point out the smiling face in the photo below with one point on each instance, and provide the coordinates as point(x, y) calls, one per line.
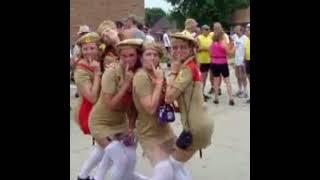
point(181, 49)
point(89, 50)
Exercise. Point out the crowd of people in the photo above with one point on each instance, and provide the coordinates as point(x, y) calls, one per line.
point(124, 97)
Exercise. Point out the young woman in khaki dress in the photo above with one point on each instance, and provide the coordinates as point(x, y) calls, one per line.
point(110, 37)
point(109, 117)
point(87, 75)
point(185, 86)
point(157, 140)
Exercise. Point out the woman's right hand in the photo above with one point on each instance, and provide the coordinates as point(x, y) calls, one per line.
point(96, 66)
point(158, 73)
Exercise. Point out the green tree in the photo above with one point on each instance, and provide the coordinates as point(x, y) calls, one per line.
point(205, 11)
point(152, 15)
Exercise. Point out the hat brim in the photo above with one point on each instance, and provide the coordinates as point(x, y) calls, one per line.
point(130, 42)
point(180, 36)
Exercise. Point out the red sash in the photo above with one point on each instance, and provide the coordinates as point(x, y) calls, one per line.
point(196, 74)
point(85, 107)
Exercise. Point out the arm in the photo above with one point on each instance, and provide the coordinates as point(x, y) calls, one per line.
point(132, 117)
point(177, 84)
point(88, 89)
point(111, 95)
point(229, 47)
point(149, 98)
point(151, 102)
point(113, 101)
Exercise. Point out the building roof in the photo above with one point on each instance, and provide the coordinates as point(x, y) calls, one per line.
point(163, 23)
point(241, 16)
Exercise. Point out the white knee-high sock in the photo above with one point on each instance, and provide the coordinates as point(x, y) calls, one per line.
point(120, 161)
point(132, 157)
point(107, 160)
point(95, 157)
point(180, 172)
point(163, 171)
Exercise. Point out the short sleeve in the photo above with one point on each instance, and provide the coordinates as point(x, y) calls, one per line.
point(142, 85)
point(108, 81)
point(81, 77)
point(183, 79)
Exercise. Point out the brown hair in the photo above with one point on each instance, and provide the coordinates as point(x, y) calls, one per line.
point(139, 53)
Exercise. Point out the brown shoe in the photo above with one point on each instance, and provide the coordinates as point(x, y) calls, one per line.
point(231, 102)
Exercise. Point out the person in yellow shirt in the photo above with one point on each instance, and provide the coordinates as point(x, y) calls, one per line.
point(247, 54)
point(204, 41)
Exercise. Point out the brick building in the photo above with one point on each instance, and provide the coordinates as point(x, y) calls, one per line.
point(93, 12)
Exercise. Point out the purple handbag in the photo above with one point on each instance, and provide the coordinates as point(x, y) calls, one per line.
point(166, 114)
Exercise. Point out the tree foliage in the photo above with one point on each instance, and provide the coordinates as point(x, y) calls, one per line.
point(152, 15)
point(205, 11)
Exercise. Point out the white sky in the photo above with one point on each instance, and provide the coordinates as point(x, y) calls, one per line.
point(158, 4)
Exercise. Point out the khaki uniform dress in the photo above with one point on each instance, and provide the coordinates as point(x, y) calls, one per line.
point(149, 131)
point(192, 98)
point(81, 76)
point(103, 122)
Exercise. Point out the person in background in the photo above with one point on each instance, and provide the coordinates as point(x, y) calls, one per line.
point(239, 40)
point(247, 54)
point(120, 29)
point(149, 37)
point(109, 33)
point(219, 51)
point(190, 26)
point(131, 29)
point(204, 41)
point(217, 27)
point(167, 44)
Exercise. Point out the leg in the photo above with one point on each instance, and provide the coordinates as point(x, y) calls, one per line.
point(237, 73)
point(244, 79)
point(163, 171)
point(216, 89)
point(220, 80)
point(131, 154)
point(93, 160)
point(211, 80)
point(106, 161)
point(204, 79)
point(229, 90)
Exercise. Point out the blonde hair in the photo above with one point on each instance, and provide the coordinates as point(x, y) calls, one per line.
point(107, 24)
point(189, 22)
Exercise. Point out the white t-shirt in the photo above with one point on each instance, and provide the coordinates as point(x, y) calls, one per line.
point(240, 49)
point(166, 40)
point(149, 38)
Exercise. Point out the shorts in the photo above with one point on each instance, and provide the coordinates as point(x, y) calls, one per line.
point(218, 69)
point(247, 64)
point(204, 67)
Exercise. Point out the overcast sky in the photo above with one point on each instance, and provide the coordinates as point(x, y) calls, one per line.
point(159, 4)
